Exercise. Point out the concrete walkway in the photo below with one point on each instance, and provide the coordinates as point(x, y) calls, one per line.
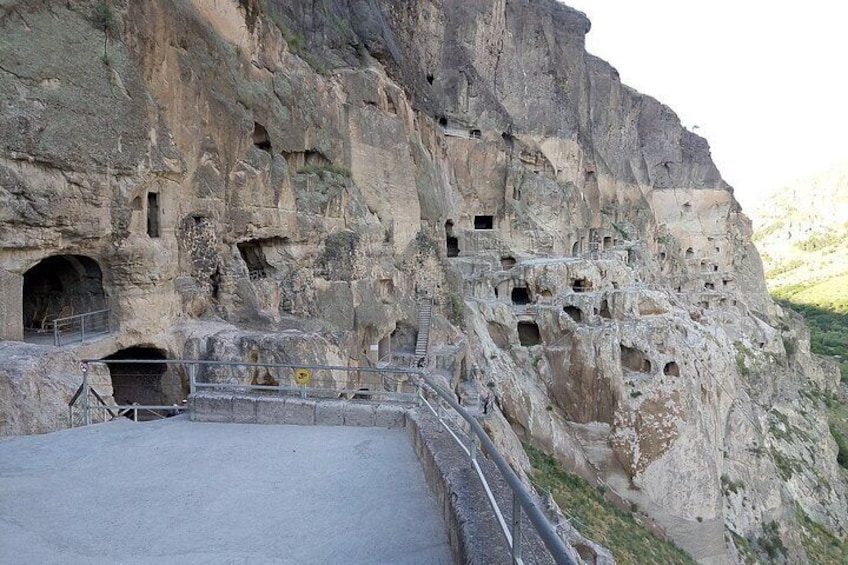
point(174, 491)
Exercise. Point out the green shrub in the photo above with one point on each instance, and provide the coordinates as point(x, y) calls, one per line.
point(842, 443)
point(770, 541)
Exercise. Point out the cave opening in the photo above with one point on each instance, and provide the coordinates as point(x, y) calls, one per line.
point(404, 337)
point(634, 360)
point(581, 285)
point(261, 139)
point(451, 241)
point(607, 243)
point(475, 134)
point(254, 257)
point(59, 287)
point(507, 263)
point(145, 383)
point(520, 296)
point(152, 214)
point(484, 222)
point(574, 313)
point(528, 334)
point(671, 369)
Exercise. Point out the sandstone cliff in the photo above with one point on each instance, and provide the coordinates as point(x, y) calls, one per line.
point(285, 180)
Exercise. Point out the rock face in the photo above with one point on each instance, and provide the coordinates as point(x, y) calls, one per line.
point(286, 180)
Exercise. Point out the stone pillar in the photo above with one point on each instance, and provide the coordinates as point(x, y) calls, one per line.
point(11, 306)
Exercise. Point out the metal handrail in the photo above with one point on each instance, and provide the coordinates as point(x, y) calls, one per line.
point(522, 499)
point(61, 325)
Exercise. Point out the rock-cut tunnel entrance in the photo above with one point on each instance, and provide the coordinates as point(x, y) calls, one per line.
point(59, 287)
point(143, 383)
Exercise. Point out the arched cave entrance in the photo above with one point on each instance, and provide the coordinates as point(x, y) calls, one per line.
point(528, 334)
point(574, 313)
point(634, 360)
point(145, 383)
point(61, 286)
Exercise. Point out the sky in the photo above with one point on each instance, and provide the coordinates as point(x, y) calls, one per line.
point(765, 82)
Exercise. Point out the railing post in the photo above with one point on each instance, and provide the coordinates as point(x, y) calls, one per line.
point(192, 378)
point(516, 529)
point(82, 327)
point(86, 415)
point(56, 333)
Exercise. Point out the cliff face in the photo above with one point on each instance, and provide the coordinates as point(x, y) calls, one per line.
point(283, 180)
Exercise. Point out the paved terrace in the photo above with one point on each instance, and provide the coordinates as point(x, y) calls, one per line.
point(175, 491)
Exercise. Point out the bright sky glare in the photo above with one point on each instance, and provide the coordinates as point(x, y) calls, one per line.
point(765, 82)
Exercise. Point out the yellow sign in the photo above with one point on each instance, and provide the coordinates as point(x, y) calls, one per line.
point(302, 376)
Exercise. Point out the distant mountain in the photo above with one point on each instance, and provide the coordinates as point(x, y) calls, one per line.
point(801, 232)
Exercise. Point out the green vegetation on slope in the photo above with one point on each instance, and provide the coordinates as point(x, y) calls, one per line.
point(596, 518)
point(821, 546)
point(828, 330)
point(802, 235)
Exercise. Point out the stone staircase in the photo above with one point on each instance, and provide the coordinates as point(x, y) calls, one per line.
point(425, 313)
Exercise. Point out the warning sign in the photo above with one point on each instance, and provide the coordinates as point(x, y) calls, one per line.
point(302, 376)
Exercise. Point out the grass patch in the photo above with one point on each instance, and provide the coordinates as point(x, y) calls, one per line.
point(747, 554)
point(742, 353)
point(598, 519)
point(821, 545)
point(818, 241)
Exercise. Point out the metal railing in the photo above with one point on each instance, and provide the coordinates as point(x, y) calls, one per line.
point(385, 383)
point(81, 327)
point(319, 381)
point(522, 499)
point(110, 412)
